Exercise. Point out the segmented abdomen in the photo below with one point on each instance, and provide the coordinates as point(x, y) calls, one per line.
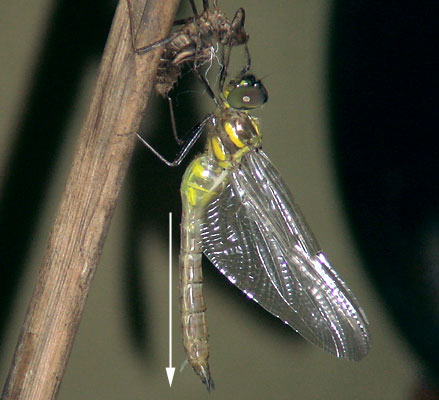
point(202, 181)
point(193, 307)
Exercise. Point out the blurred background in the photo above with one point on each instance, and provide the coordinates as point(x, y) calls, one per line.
point(350, 124)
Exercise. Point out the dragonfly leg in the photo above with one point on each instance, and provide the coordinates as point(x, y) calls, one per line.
point(192, 137)
point(247, 53)
point(225, 59)
point(238, 27)
point(194, 7)
point(206, 84)
point(173, 123)
point(149, 47)
point(184, 21)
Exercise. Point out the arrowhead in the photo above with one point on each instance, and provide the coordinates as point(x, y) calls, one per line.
point(170, 372)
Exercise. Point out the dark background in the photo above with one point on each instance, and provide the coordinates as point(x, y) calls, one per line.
point(350, 123)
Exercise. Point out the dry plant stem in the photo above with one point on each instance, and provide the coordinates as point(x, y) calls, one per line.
point(91, 192)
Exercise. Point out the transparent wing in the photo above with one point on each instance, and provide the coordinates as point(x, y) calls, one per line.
point(257, 237)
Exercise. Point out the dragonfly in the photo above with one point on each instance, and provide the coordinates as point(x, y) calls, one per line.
point(238, 211)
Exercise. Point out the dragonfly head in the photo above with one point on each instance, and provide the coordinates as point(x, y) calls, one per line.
point(246, 93)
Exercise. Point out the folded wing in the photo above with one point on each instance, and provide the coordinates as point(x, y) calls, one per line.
point(257, 237)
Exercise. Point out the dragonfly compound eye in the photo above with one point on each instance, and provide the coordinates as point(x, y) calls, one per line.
point(247, 94)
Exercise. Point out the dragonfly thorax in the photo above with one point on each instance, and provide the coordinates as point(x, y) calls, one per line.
point(233, 134)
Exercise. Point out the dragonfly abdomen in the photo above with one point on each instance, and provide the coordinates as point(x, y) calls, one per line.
point(193, 307)
point(201, 182)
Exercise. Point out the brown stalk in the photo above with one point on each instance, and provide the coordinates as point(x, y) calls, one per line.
point(81, 225)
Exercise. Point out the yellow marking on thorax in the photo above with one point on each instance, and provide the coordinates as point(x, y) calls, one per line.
point(231, 132)
point(255, 124)
point(218, 149)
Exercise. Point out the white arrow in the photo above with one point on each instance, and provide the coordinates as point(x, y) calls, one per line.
point(170, 370)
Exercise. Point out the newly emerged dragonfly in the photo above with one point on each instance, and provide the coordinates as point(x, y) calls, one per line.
point(238, 212)
point(196, 42)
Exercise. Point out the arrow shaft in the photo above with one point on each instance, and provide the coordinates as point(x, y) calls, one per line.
point(170, 289)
